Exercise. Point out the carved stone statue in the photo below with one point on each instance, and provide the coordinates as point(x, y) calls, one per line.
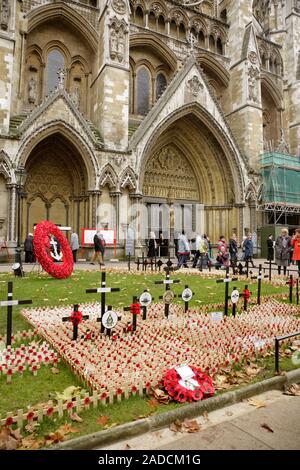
point(113, 44)
point(4, 14)
point(253, 75)
point(121, 45)
point(75, 95)
point(32, 90)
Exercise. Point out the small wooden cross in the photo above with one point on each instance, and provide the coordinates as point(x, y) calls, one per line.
point(186, 296)
point(75, 321)
point(167, 282)
point(9, 303)
point(103, 290)
point(135, 310)
point(259, 278)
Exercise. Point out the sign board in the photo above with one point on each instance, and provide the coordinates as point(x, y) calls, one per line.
point(235, 296)
point(187, 295)
point(145, 299)
point(88, 236)
point(109, 319)
point(216, 316)
point(129, 242)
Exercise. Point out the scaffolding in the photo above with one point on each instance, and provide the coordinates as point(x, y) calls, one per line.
point(280, 195)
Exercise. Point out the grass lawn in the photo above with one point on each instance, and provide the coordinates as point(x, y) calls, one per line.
point(46, 291)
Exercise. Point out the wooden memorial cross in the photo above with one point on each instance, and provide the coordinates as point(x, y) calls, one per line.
point(270, 268)
point(159, 264)
point(187, 296)
point(109, 320)
point(9, 303)
point(259, 278)
point(135, 309)
point(235, 296)
point(103, 290)
point(246, 297)
point(291, 283)
point(167, 282)
point(227, 280)
point(76, 317)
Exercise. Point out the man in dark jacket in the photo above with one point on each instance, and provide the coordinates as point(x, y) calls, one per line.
point(28, 248)
point(99, 247)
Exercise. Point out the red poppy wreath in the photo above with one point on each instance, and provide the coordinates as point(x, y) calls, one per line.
point(44, 254)
point(183, 393)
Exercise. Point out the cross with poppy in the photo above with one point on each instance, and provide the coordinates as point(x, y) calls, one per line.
point(226, 281)
point(168, 282)
point(135, 309)
point(76, 317)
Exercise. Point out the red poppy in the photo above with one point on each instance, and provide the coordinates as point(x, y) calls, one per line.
point(9, 421)
point(30, 416)
point(50, 411)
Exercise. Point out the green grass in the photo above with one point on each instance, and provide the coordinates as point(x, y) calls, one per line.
point(46, 291)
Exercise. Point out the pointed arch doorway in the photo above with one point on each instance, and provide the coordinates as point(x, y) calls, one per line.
point(56, 185)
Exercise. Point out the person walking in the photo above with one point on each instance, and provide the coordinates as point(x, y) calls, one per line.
point(223, 255)
point(152, 246)
point(270, 247)
point(248, 246)
point(183, 251)
point(197, 251)
point(233, 251)
point(282, 250)
point(99, 247)
point(296, 246)
point(29, 249)
point(74, 243)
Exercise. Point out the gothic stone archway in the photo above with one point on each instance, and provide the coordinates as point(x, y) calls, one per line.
point(56, 185)
point(186, 164)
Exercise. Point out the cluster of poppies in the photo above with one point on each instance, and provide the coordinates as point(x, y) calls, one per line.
point(183, 393)
point(125, 360)
point(42, 249)
point(29, 357)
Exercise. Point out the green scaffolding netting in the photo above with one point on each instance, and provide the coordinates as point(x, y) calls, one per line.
point(281, 178)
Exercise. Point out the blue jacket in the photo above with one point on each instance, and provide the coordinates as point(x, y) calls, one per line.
point(248, 245)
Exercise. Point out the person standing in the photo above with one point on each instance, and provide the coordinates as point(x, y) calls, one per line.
point(152, 245)
point(74, 243)
point(248, 246)
point(296, 246)
point(233, 250)
point(183, 251)
point(282, 250)
point(270, 247)
point(29, 249)
point(223, 255)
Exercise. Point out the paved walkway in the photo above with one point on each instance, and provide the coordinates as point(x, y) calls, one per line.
point(236, 427)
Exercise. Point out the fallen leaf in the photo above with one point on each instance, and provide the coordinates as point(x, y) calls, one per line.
point(69, 393)
point(191, 426)
point(252, 371)
point(7, 441)
point(30, 442)
point(228, 413)
point(127, 446)
point(153, 402)
point(75, 417)
point(293, 390)
point(267, 427)
point(176, 426)
point(161, 396)
point(103, 420)
point(54, 370)
point(205, 416)
point(67, 429)
point(256, 403)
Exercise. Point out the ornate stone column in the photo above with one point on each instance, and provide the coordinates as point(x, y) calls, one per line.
point(115, 199)
point(93, 207)
point(135, 217)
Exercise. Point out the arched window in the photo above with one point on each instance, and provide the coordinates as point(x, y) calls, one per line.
point(139, 16)
point(161, 24)
point(212, 44)
point(152, 20)
point(182, 34)
point(219, 46)
point(173, 29)
point(201, 39)
point(55, 62)
point(143, 91)
point(161, 83)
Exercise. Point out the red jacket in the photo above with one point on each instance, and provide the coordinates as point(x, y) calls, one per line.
point(296, 245)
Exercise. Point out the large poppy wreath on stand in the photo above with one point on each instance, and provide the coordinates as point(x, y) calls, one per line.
point(42, 249)
point(198, 388)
